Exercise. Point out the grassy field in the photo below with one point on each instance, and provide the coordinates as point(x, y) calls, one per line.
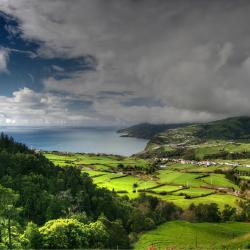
point(166, 188)
point(186, 235)
point(219, 180)
point(174, 183)
point(194, 192)
point(179, 178)
point(245, 178)
point(243, 169)
point(219, 198)
point(101, 162)
point(124, 185)
point(202, 169)
point(213, 147)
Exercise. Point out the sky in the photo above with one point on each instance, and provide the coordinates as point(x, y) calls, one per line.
point(123, 62)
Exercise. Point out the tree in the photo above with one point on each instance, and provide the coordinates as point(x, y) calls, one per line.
point(118, 237)
point(206, 212)
point(228, 213)
point(64, 234)
point(33, 236)
point(72, 234)
point(8, 211)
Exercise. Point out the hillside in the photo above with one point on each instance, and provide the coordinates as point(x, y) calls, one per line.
point(236, 128)
point(38, 198)
point(44, 206)
point(147, 130)
point(230, 235)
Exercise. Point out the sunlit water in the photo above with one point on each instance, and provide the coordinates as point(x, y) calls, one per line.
point(89, 140)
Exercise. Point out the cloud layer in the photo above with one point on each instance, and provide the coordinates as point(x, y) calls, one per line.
point(26, 108)
point(154, 61)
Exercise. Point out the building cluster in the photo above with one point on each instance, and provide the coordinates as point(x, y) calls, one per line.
point(201, 163)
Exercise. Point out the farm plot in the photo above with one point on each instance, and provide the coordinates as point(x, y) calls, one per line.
point(127, 185)
point(99, 162)
point(194, 192)
point(219, 180)
point(179, 178)
point(186, 235)
point(219, 198)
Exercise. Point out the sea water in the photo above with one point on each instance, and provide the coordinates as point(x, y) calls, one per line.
point(76, 139)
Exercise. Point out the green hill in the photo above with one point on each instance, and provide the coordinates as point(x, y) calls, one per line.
point(186, 235)
point(35, 193)
point(236, 128)
point(147, 130)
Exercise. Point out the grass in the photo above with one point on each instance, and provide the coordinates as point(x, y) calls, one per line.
point(245, 178)
point(210, 169)
point(212, 148)
point(93, 173)
point(194, 192)
point(243, 169)
point(180, 178)
point(107, 177)
point(179, 166)
point(125, 183)
point(219, 198)
point(186, 235)
point(172, 179)
point(166, 188)
point(219, 180)
point(99, 162)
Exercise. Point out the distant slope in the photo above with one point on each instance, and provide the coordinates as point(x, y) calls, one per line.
point(186, 235)
point(230, 129)
point(236, 128)
point(147, 130)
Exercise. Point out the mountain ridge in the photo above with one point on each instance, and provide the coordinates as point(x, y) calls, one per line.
point(148, 130)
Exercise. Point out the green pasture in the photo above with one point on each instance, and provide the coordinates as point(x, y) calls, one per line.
point(99, 162)
point(125, 183)
point(220, 198)
point(245, 177)
point(203, 169)
point(186, 235)
point(172, 179)
point(219, 180)
point(193, 192)
point(166, 188)
point(180, 178)
point(243, 169)
point(179, 166)
point(204, 150)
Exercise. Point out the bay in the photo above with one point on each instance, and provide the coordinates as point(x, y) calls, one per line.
point(76, 139)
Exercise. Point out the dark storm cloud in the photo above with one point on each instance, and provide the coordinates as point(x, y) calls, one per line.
point(176, 60)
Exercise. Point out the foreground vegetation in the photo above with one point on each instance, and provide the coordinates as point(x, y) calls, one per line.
point(186, 235)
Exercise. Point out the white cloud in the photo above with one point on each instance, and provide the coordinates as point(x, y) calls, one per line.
point(4, 57)
point(57, 68)
point(26, 107)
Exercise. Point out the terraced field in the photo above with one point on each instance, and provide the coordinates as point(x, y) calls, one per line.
point(180, 178)
point(219, 198)
point(213, 147)
point(176, 182)
point(100, 162)
point(219, 180)
point(186, 235)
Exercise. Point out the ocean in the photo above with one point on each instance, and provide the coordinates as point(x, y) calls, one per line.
point(76, 139)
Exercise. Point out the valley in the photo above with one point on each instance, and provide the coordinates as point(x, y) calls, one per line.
point(175, 180)
point(188, 189)
point(187, 165)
